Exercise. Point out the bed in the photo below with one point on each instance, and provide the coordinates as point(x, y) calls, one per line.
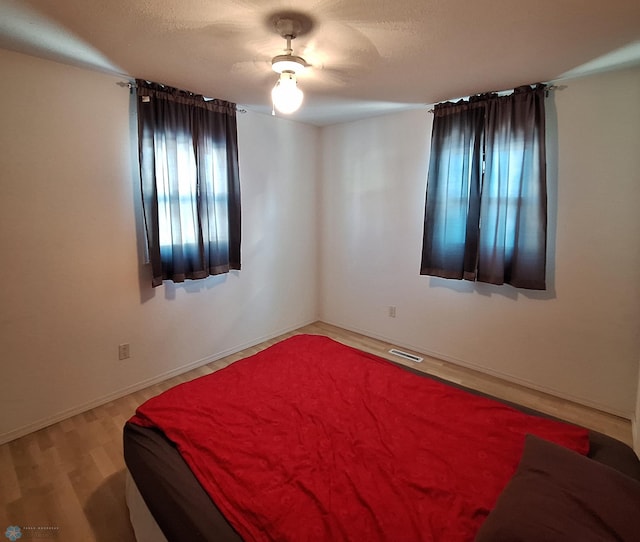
point(313, 440)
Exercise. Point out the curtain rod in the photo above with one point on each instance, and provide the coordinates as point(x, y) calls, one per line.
point(131, 86)
point(547, 89)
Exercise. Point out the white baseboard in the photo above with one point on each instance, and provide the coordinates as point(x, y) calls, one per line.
point(498, 374)
point(79, 409)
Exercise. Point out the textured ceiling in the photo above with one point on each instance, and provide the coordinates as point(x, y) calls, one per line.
point(368, 56)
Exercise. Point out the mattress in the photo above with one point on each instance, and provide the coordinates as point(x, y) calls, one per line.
point(183, 510)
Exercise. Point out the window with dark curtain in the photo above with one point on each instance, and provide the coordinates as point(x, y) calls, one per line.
point(486, 203)
point(188, 153)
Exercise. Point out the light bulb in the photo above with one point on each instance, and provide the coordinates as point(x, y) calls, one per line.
point(286, 95)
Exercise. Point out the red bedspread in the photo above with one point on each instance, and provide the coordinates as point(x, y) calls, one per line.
point(311, 440)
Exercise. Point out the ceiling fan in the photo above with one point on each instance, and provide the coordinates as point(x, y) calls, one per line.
point(286, 96)
point(329, 54)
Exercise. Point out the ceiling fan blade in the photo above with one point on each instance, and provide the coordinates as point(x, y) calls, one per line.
point(252, 67)
point(342, 47)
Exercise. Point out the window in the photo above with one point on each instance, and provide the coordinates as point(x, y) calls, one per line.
point(190, 183)
point(485, 212)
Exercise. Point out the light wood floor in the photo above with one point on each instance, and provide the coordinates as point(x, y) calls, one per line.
point(70, 476)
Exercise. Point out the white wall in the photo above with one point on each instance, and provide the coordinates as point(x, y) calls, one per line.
point(72, 286)
point(578, 340)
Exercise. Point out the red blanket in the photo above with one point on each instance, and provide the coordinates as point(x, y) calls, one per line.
point(311, 440)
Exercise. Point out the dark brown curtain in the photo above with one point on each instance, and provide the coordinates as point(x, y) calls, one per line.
point(513, 233)
point(486, 203)
point(188, 154)
point(452, 212)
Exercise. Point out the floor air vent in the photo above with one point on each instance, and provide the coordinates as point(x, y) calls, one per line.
point(405, 355)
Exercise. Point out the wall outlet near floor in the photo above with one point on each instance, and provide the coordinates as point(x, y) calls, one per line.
point(123, 351)
point(392, 311)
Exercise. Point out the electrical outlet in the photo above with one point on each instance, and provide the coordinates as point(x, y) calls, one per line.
point(392, 311)
point(123, 351)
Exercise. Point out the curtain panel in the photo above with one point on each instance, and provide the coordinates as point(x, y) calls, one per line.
point(486, 201)
point(188, 154)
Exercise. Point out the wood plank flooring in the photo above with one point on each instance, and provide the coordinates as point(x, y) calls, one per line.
point(66, 482)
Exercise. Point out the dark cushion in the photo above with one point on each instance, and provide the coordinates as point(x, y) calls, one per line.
point(559, 495)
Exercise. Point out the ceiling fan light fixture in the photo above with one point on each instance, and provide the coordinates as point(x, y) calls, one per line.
point(289, 63)
point(286, 96)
